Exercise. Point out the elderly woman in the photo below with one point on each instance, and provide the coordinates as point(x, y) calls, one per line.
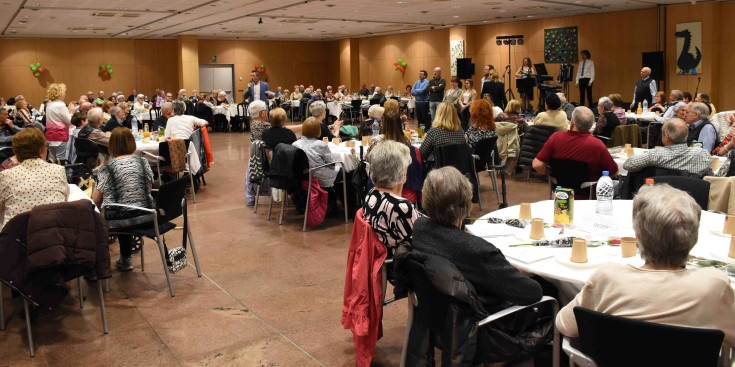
point(278, 134)
point(618, 108)
point(375, 112)
point(317, 151)
point(58, 121)
point(296, 95)
point(34, 181)
point(378, 97)
point(390, 215)
point(259, 113)
point(607, 122)
point(482, 123)
point(408, 91)
point(139, 104)
point(704, 98)
point(160, 98)
point(389, 92)
point(445, 130)
point(318, 110)
point(221, 98)
point(447, 200)
point(513, 114)
point(23, 117)
point(106, 108)
point(728, 142)
point(567, 107)
point(127, 179)
point(666, 224)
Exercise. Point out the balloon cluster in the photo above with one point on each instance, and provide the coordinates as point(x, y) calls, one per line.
point(400, 65)
point(260, 68)
point(36, 69)
point(105, 70)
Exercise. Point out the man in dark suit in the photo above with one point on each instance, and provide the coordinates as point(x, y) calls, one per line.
point(131, 98)
point(257, 89)
point(117, 116)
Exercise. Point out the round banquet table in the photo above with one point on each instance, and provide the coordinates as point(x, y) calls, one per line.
point(227, 110)
point(344, 154)
point(552, 263)
point(647, 116)
point(142, 115)
point(152, 148)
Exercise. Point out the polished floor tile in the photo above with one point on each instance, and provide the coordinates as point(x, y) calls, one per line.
point(271, 295)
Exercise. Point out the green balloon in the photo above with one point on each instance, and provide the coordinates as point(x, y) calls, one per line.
point(37, 74)
point(110, 71)
point(38, 64)
point(400, 61)
point(34, 68)
point(262, 66)
point(396, 67)
point(107, 66)
point(403, 64)
point(31, 66)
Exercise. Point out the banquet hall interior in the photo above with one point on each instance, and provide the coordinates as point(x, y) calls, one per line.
point(267, 289)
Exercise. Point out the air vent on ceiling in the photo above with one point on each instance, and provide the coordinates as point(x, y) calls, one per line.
point(298, 21)
point(112, 15)
point(539, 8)
point(491, 3)
point(235, 32)
point(86, 29)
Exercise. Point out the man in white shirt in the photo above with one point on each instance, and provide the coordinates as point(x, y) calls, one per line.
point(182, 125)
point(486, 73)
point(585, 77)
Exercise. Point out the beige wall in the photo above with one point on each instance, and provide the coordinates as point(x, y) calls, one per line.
point(616, 41)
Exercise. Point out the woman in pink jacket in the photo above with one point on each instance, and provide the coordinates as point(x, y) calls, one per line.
point(58, 121)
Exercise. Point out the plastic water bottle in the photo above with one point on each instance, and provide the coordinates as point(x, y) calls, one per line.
point(645, 105)
point(134, 126)
point(605, 195)
point(376, 128)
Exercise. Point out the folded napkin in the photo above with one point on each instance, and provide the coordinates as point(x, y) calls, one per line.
point(518, 223)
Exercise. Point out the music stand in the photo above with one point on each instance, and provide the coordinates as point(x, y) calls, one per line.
point(540, 69)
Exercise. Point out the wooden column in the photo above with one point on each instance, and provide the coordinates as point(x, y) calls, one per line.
point(188, 55)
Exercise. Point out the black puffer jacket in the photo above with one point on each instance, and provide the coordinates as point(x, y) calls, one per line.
point(532, 142)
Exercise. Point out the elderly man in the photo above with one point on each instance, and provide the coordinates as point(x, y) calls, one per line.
point(92, 129)
point(83, 98)
point(567, 107)
point(180, 125)
point(577, 144)
point(675, 155)
point(85, 107)
point(645, 89)
point(279, 92)
point(7, 128)
point(131, 97)
point(194, 96)
point(182, 95)
point(700, 129)
point(100, 98)
point(436, 91)
point(318, 110)
point(317, 96)
point(169, 97)
point(675, 102)
point(90, 96)
point(167, 111)
point(117, 117)
point(363, 90)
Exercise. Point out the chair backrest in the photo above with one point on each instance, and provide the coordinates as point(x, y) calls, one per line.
point(484, 149)
point(244, 107)
point(154, 112)
point(617, 341)
point(626, 134)
point(189, 107)
point(280, 174)
point(458, 156)
point(697, 188)
point(634, 180)
point(722, 126)
point(356, 103)
point(169, 199)
point(533, 140)
point(569, 174)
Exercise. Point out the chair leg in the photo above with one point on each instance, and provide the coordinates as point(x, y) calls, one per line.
point(283, 205)
point(107, 285)
point(2, 309)
point(306, 210)
point(409, 323)
point(194, 252)
point(81, 293)
point(270, 205)
point(495, 184)
point(165, 268)
point(28, 328)
point(191, 181)
point(257, 193)
point(142, 257)
point(344, 192)
point(102, 306)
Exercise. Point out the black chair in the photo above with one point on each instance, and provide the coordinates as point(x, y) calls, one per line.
point(533, 140)
point(634, 180)
point(88, 151)
point(154, 113)
point(304, 108)
point(204, 112)
point(696, 188)
point(608, 340)
point(355, 109)
point(426, 303)
point(189, 107)
point(487, 158)
point(570, 174)
point(242, 111)
point(460, 157)
point(170, 204)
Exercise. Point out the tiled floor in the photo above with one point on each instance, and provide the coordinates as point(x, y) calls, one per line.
point(271, 295)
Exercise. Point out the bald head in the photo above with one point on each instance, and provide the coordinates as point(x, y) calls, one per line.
point(582, 118)
point(85, 107)
point(94, 117)
point(645, 72)
point(674, 131)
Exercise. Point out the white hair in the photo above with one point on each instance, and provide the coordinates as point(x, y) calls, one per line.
point(700, 109)
point(182, 90)
point(94, 115)
point(221, 93)
point(317, 108)
point(255, 107)
point(376, 112)
point(606, 103)
point(388, 162)
point(562, 98)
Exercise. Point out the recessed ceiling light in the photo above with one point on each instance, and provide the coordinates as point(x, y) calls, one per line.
point(355, 10)
point(125, 34)
point(400, 2)
point(22, 22)
point(455, 17)
point(35, 5)
point(484, 21)
point(456, 6)
point(529, 16)
point(501, 10)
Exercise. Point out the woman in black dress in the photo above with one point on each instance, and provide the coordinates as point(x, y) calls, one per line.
point(526, 71)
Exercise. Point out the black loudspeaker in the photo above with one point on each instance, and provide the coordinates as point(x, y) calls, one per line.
point(465, 68)
point(655, 61)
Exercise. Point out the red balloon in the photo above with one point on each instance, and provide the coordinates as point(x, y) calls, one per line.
point(106, 74)
point(104, 69)
point(41, 70)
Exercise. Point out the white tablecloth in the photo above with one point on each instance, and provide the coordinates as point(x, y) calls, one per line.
point(570, 279)
point(152, 148)
point(648, 116)
point(344, 154)
point(335, 108)
point(229, 111)
point(142, 115)
point(410, 102)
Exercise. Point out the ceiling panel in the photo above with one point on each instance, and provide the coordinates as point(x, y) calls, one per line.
point(281, 19)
